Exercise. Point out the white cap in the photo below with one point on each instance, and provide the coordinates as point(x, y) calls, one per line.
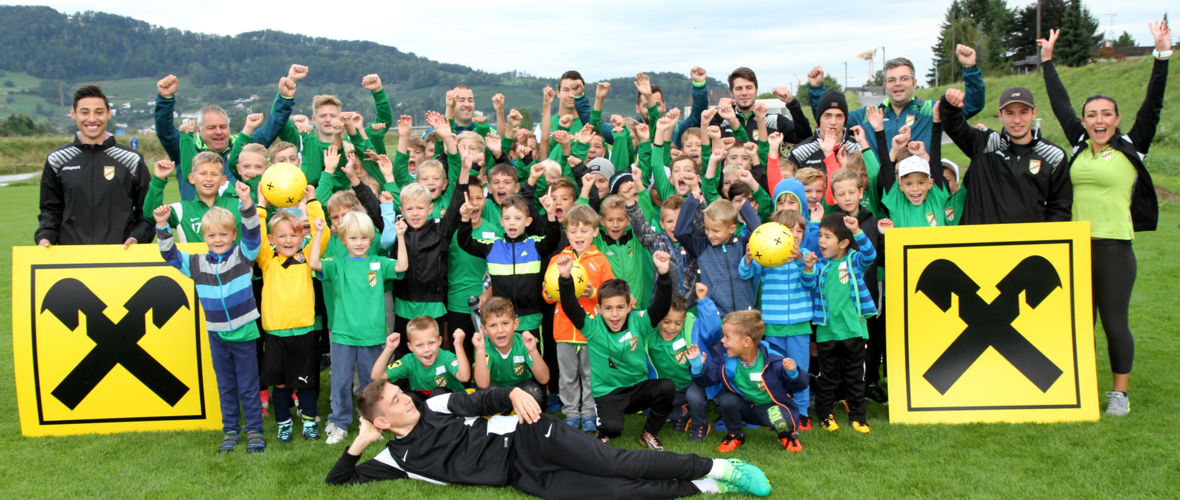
point(911, 165)
point(953, 166)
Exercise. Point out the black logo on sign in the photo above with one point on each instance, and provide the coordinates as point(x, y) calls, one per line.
point(116, 344)
point(990, 324)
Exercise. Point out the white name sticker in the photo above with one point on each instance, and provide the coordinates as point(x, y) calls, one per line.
point(678, 344)
point(489, 235)
point(518, 359)
point(625, 338)
point(756, 377)
point(442, 369)
point(375, 266)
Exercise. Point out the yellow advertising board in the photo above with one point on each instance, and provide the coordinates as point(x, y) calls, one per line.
point(109, 340)
point(990, 323)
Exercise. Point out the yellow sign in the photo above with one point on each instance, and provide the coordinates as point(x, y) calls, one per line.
point(109, 340)
point(990, 324)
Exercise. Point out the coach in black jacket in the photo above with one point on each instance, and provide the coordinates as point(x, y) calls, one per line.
point(92, 190)
point(1015, 175)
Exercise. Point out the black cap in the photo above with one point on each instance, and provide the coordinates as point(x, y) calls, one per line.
point(832, 99)
point(617, 181)
point(1021, 95)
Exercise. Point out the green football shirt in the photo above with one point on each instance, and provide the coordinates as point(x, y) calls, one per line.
point(617, 359)
point(931, 213)
point(427, 378)
point(358, 298)
point(844, 321)
point(749, 381)
point(509, 369)
point(670, 357)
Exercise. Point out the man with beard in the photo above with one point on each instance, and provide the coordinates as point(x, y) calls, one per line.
point(743, 89)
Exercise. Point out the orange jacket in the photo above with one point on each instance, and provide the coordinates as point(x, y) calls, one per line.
point(596, 265)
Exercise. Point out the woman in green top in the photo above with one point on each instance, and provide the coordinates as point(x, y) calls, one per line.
point(1113, 191)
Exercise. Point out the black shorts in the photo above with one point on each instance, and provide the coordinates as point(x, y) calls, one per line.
point(290, 361)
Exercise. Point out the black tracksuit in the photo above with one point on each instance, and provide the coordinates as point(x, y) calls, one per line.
point(1007, 182)
point(92, 194)
point(549, 459)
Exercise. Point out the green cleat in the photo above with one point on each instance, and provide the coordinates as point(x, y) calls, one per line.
point(746, 479)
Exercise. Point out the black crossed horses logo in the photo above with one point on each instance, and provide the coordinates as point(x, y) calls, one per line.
point(990, 324)
point(116, 344)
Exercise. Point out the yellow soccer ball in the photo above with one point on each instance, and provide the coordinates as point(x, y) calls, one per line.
point(578, 273)
point(283, 185)
point(771, 244)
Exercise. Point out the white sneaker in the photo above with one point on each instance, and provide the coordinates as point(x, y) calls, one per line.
point(1118, 404)
point(335, 434)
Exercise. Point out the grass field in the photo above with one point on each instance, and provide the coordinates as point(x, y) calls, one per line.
point(1127, 457)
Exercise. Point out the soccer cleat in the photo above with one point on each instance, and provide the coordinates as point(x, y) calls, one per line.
point(845, 403)
point(571, 421)
point(698, 432)
point(602, 437)
point(731, 442)
point(678, 420)
point(791, 444)
point(589, 424)
point(285, 432)
point(554, 404)
point(310, 431)
point(876, 394)
point(651, 441)
point(830, 423)
point(335, 434)
point(1118, 405)
point(746, 479)
point(254, 442)
point(804, 423)
point(860, 427)
point(228, 442)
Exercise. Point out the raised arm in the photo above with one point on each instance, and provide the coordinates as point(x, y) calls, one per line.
point(1075, 132)
point(569, 300)
point(1143, 131)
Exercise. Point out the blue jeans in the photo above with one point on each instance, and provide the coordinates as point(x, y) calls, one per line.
point(345, 360)
point(698, 404)
point(798, 348)
point(236, 367)
point(736, 411)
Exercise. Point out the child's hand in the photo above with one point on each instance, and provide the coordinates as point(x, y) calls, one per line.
point(562, 137)
point(372, 82)
point(385, 197)
point(405, 125)
point(400, 226)
point(493, 142)
point(694, 352)
point(783, 94)
point(749, 258)
point(530, 342)
point(775, 139)
point(319, 226)
point(547, 201)
point(308, 195)
point(514, 119)
point(693, 181)
point(702, 291)
point(851, 223)
point(713, 131)
point(643, 86)
point(760, 111)
point(564, 264)
point(752, 150)
point(629, 193)
point(459, 335)
point(573, 161)
point(809, 261)
point(884, 224)
point(747, 177)
point(788, 364)
point(725, 109)
point(937, 118)
point(817, 212)
point(875, 117)
point(643, 131)
point(707, 118)
point(727, 142)
point(498, 102)
point(253, 121)
point(466, 209)
point(588, 292)
point(859, 133)
point(586, 133)
point(477, 339)
point(829, 143)
point(717, 156)
point(536, 172)
point(795, 255)
point(331, 159)
point(918, 148)
point(637, 178)
point(392, 341)
point(262, 197)
point(161, 214)
point(243, 191)
point(164, 168)
point(661, 259)
point(547, 97)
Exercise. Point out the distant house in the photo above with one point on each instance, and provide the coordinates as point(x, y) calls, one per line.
point(1025, 66)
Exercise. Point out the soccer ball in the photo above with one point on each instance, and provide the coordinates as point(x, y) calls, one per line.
point(578, 273)
point(283, 185)
point(771, 244)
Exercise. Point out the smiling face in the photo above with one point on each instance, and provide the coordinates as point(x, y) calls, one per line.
point(286, 238)
point(207, 178)
point(464, 105)
point(1100, 117)
point(787, 201)
point(1018, 119)
point(476, 197)
point(91, 114)
point(681, 170)
point(502, 186)
point(743, 91)
point(672, 324)
point(289, 155)
point(431, 177)
point(718, 232)
point(396, 409)
point(500, 329)
point(952, 184)
point(323, 117)
point(614, 311)
point(597, 148)
point(615, 221)
point(602, 184)
point(736, 344)
point(847, 194)
point(251, 165)
point(814, 192)
point(417, 211)
point(668, 218)
point(214, 131)
point(915, 186)
point(219, 238)
point(900, 84)
point(830, 246)
point(514, 221)
point(424, 344)
point(358, 245)
point(580, 236)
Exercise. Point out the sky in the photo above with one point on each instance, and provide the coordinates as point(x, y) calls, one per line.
point(614, 38)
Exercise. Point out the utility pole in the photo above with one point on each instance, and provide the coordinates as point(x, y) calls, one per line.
point(845, 76)
point(1039, 61)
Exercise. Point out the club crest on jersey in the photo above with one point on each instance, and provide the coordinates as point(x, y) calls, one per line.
point(681, 356)
point(518, 369)
point(909, 120)
point(440, 381)
point(843, 273)
point(930, 218)
point(372, 278)
point(1034, 166)
point(634, 342)
point(950, 214)
point(761, 386)
point(108, 172)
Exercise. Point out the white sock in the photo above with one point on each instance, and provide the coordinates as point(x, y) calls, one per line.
point(708, 486)
point(720, 466)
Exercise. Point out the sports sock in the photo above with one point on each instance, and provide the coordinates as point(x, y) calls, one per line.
point(710, 486)
point(721, 469)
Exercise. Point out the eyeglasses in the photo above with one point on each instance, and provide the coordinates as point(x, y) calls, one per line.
point(902, 79)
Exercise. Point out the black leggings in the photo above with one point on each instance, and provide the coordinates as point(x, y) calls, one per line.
point(1113, 270)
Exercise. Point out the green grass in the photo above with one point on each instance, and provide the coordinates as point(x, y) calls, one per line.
point(1127, 457)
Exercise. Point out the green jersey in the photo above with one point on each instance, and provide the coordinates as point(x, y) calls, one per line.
point(426, 378)
point(358, 298)
point(844, 321)
point(465, 272)
point(931, 213)
point(617, 359)
point(630, 262)
point(954, 207)
point(749, 381)
point(186, 215)
point(670, 357)
point(510, 369)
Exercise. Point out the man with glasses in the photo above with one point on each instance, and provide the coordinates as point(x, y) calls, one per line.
point(902, 108)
